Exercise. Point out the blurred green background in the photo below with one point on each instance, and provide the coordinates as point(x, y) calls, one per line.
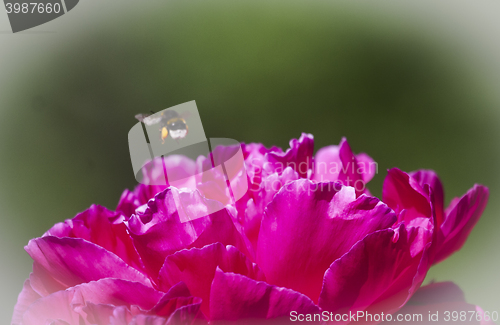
point(400, 84)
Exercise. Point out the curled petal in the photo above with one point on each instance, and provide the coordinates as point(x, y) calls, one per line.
point(309, 225)
point(402, 192)
point(196, 267)
point(299, 156)
point(61, 263)
point(102, 227)
point(430, 178)
point(459, 221)
point(350, 175)
point(379, 273)
point(255, 158)
point(128, 203)
point(236, 297)
point(178, 296)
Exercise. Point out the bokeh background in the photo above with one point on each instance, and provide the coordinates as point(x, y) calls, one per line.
point(415, 84)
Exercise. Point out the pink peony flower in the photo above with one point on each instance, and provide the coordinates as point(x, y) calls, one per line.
point(306, 238)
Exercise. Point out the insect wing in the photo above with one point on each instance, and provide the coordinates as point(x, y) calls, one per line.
point(147, 119)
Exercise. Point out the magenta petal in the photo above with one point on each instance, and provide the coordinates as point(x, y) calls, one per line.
point(167, 306)
point(299, 156)
point(236, 297)
point(43, 282)
point(176, 304)
point(128, 203)
point(430, 178)
point(102, 227)
point(379, 273)
point(159, 230)
point(459, 222)
point(72, 261)
point(196, 267)
point(309, 225)
point(350, 174)
point(24, 300)
point(119, 292)
point(254, 212)
point(402, 192)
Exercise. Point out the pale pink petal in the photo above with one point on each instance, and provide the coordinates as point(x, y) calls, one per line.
point(327, 164)
point(338, 163)
point(54, 308)
point(309, 225)
point(72, 305)
point(213, 185)
point(367, 166)
point(486, 318)
point(24, 300)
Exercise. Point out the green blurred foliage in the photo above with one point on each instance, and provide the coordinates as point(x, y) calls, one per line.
point(259, 72)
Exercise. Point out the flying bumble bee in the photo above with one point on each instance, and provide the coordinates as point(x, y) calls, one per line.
point(170, 123)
